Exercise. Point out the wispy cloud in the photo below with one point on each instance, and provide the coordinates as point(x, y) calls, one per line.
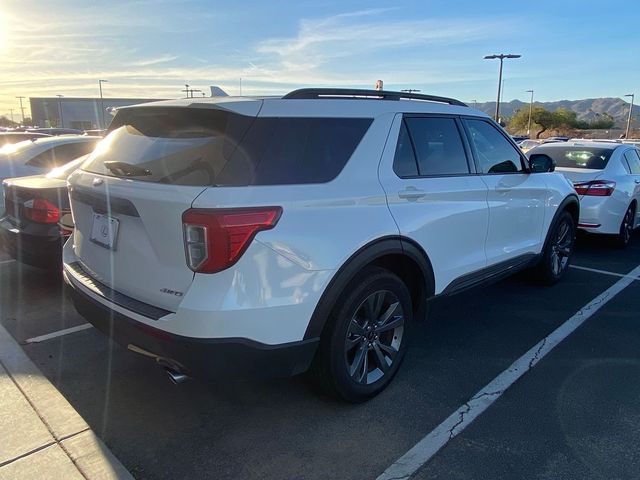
point(68, 51)
point(153, 61)
point(348, 35)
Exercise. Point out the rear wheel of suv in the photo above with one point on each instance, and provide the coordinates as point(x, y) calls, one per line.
point(558, 249)
point(365, 337)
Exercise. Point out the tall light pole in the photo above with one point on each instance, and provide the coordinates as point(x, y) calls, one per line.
point(626, 135)
point(530, 108)
point(11, 110)
point(100, 82)
point(501, 57)
point(22, 108)
point(60, 110)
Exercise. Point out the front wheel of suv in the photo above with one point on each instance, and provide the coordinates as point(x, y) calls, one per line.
point(558, 249)
point(365, 337)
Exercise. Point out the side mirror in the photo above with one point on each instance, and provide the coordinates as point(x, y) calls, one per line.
point(540, 163)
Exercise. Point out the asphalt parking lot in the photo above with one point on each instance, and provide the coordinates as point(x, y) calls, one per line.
point(576, 414)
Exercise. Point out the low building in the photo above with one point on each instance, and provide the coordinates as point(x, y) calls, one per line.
point(81, 113)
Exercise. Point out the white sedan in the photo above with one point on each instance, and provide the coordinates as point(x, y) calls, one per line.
point(606, 176)
point(35, 157)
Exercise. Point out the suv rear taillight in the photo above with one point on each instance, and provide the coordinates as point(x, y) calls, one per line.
point(40, 210)
point(215, 239)
point(595, 188)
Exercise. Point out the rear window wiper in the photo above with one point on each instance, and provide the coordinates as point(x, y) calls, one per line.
point(123, 169)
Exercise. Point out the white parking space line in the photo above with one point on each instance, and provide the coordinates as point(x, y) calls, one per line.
point(604, 272)
point(425, 449)
point(7, 261)
point(59, 333)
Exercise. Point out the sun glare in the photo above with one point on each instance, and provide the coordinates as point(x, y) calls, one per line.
point(3, 31)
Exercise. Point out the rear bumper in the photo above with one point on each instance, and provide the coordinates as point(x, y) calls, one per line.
point(217, 358)
point(602, 214)
point(43, 251)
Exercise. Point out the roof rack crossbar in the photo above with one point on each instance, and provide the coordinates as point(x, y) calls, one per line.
point(349, 93)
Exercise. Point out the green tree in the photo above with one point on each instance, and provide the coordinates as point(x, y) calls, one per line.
point(541, 120)
point(604, 121)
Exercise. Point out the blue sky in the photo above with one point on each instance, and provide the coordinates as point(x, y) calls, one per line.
point(151, 48)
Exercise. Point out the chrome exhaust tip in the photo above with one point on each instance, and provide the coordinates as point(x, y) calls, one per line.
point(176, 377)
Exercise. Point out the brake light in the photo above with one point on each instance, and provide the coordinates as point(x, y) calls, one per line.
point(41, 210)
point(596, 188)
point(215, 239)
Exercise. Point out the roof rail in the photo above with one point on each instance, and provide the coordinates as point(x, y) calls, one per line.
point(350, 93)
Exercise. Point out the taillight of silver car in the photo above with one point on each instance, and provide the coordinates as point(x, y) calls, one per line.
point(215, 239)
point(41, 210)
point(595, 188)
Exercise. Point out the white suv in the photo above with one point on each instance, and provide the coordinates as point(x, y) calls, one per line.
point(246, 237)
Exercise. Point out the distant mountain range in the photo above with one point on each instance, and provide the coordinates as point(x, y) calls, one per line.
point(587, 109)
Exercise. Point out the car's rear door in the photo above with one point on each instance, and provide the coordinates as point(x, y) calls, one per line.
point(434, 195)
point(632, 156)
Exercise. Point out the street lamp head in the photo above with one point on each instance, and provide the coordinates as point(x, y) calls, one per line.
point(629, 94)
point(501, 56)
point(529, 91)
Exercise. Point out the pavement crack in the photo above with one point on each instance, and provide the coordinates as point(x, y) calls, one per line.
point(487, 394)
point(535, 355)
point(466, 408)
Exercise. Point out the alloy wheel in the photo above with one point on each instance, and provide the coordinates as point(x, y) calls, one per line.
point(374, 337)
point(627, 226)
point(561, 248)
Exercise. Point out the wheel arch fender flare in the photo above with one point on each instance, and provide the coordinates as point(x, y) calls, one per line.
point(368, 255)
point(570, 202)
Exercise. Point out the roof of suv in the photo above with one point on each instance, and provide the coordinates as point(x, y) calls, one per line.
point(327, 102)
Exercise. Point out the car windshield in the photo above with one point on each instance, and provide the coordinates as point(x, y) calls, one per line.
point(592, 158)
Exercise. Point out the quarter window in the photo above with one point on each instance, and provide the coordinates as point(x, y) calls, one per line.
point(493, 151)
point(404, 163)
point(438, 146)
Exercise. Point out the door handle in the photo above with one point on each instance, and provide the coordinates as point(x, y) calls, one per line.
point(502, 189)
point(637, 181)
point(411, 193)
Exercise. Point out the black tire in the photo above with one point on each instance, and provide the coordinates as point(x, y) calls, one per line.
point(558, 249)
point(622, 239)
point(376, 291)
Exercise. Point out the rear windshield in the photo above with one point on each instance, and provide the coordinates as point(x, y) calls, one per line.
point(578, 157)
point(215, 147)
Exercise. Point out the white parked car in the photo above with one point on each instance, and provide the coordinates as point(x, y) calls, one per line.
point(261, 237)
point(606, 175)
point(38, 156)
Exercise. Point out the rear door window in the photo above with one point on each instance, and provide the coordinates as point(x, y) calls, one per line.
point(633, 160)
point(202, 147)
point(494, 153)
point(438, 146)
